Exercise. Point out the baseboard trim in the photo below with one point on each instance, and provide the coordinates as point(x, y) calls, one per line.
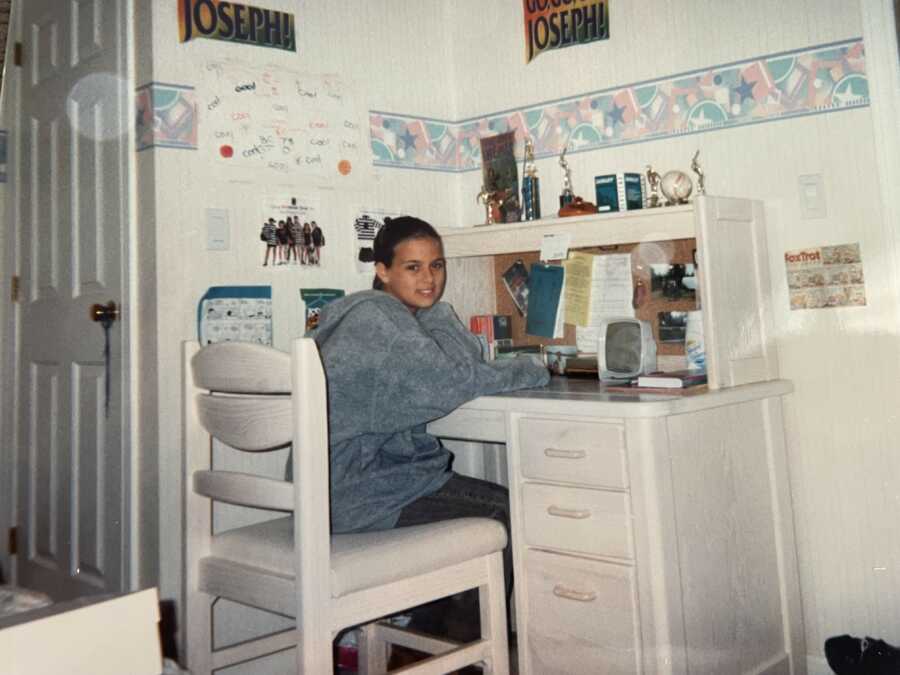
point(817, 665)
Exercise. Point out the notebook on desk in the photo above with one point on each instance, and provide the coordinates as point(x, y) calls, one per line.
point(670, 391)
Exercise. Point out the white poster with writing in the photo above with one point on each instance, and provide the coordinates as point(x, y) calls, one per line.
point(284, 122)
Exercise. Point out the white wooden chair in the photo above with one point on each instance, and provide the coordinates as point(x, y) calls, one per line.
point(255, 398)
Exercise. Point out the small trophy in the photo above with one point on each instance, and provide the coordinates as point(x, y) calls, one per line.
point(531, 194)
point(493, 204)
point(567, 196)
point(485, 197)
point(695, 167)
point(653, 184)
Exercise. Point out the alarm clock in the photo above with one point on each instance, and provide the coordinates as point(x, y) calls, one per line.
point(676, 187)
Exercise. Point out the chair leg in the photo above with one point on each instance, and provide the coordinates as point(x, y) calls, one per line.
point(492, 603)
point(372, 651)
point(315, 652)
point(198, 633)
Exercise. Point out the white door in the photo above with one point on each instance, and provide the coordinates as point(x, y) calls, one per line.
point(71, 209)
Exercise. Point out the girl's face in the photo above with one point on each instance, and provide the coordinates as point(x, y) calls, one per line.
point(417, 275)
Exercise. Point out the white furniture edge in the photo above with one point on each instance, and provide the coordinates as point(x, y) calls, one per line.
point(602, 229)
point(587, 398)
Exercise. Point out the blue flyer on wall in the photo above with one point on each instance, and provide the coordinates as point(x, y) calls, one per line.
point(235, 314)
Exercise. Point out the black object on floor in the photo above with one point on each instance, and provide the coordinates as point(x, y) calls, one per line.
point(848, 655)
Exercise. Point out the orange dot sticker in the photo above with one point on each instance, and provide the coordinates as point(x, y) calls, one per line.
point(344, 167)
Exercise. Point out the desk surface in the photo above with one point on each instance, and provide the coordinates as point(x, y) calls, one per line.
point(484, 418)
point(579, 395)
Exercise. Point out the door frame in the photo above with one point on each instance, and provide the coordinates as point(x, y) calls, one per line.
point(8, 313)
point(130, 558)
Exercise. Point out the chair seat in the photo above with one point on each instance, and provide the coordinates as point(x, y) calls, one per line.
point(367, 559)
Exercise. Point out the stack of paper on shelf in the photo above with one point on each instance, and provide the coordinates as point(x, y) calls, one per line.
point(597, 287)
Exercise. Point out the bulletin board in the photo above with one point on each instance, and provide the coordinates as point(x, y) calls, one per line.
point(270, 118)
point(643, 257)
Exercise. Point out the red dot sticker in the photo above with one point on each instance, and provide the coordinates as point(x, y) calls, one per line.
point(344, 167)
point(226, 151)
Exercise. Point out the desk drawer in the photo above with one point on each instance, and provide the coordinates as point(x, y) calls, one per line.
point(575, 519)
point(485, 426)
point(588, 453)
point(582, 616)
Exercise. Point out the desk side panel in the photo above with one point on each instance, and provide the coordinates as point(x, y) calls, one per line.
point(728, 540)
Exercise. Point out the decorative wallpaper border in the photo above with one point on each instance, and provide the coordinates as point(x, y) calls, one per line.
point(809, 81)
point(165, 116)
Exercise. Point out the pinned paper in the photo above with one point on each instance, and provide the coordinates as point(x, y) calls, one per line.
point(555, 246)
point(597, 286)
point(578, 288)
point(545, 283)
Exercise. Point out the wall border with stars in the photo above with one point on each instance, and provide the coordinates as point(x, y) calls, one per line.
point(809, 81)
point(165, 116)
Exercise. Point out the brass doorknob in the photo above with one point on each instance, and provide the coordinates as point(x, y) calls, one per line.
point(104, 313)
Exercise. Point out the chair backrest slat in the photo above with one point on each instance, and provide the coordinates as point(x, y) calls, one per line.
point(245, 489)
point(242, 368)
point(250, 423)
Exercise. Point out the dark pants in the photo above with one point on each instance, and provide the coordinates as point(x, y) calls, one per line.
point(460, 497)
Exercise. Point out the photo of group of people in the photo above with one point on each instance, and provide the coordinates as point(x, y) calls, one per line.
point(290, 233)
point(288, 241)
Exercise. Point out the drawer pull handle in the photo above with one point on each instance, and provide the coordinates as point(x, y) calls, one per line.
point(577, 514)
point(561, 591)
point(565, 454)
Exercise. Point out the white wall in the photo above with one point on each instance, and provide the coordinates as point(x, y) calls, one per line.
point(465, 59)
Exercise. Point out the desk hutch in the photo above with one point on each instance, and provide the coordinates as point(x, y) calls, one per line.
point(652, 533)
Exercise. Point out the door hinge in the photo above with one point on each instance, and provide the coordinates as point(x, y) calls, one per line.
point(17, 54)
point(14, 288)
point(12, 545)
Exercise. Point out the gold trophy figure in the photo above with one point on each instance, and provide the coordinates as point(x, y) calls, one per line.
point(484, 197)
point(653, 185)
point(695, 167)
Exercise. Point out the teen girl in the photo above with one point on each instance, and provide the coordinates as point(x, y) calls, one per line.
point(395, 359)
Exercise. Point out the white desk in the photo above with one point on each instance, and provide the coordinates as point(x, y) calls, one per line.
point(651, 534)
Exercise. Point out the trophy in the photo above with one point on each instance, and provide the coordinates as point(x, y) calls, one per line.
point(653, 184)
point(493, 202)
point(531, 194)
point(484, 197)
point(567, 196)
point(695, 167)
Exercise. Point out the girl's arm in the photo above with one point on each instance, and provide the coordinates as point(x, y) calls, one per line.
point(435, 369)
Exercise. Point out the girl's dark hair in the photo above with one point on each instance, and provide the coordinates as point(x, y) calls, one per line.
point(395, 231)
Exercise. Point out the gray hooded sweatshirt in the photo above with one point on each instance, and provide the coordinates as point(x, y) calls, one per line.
point(389, 373)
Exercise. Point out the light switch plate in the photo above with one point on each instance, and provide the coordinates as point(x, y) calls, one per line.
point(218, 235)
point(812, 196)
